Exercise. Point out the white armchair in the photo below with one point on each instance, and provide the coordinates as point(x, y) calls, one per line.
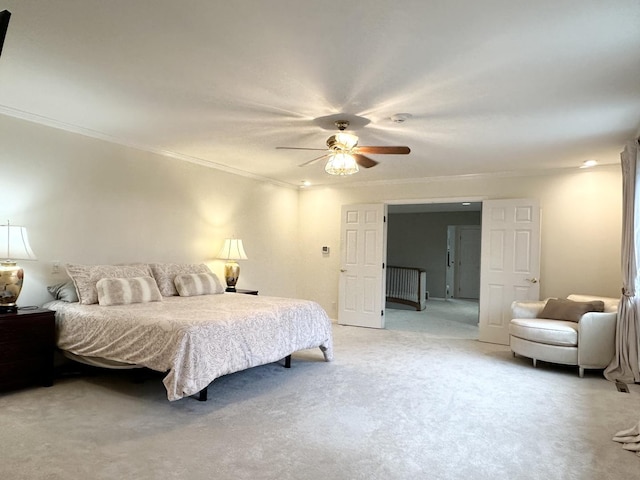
point(587, 341)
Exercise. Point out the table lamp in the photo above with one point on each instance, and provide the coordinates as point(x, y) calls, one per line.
point(14, 245)
point(231, 251)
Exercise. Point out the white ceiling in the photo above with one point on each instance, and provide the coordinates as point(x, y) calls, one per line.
point(492, 86)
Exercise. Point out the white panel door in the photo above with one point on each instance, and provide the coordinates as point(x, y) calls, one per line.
point(362, 255)
point(510, 263)
point(467, 272)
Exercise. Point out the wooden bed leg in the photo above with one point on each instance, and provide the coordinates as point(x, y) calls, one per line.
point(287, 361)
point(202, 395)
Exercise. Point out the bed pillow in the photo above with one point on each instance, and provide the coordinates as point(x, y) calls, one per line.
point(123, 291)
point(85, 277)
point(165, 274)
point(65, 291)
point(192, 284)
point(569, 310)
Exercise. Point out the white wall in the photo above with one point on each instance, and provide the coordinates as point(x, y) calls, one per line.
point(581, 225)
point(89, 201)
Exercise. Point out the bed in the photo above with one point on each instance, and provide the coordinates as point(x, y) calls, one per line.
point(195, 339)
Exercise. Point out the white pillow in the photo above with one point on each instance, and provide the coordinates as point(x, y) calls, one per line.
point(192, 284)
point(124, 291)
point(165, 274)
point(85, 277)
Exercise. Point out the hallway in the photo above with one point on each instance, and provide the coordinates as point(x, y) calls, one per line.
point(453, 318)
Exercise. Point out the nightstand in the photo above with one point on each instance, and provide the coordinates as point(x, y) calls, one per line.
point(246, 292)
point(27, 343)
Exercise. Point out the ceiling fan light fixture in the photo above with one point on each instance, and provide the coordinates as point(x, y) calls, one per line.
point(347, 141)
point(342, 141)
point(344, 153)
point(341, 164)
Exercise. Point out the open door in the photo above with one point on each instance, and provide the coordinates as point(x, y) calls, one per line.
point(510, 263)
point(363, 248)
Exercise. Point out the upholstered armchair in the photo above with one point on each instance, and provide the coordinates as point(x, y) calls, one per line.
point(580, 330)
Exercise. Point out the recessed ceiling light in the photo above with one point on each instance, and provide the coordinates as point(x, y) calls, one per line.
point(305, 183)
point(588, 164)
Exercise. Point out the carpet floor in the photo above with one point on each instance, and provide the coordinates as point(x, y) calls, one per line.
point(421, 399)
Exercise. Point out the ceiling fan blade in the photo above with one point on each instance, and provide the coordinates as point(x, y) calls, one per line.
point(364, 162)
point(384, 150)
point(299, 148)
point(313, 160)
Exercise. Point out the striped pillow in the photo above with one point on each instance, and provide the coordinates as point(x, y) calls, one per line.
point(165, 274)
point(192, 284)
point(123, 291)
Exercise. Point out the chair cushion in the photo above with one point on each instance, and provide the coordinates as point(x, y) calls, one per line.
point(550, 332)
point(564, 309)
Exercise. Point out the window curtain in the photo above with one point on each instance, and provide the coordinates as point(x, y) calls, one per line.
point(625, 366)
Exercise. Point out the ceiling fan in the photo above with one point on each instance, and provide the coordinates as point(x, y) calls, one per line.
point(345, 154)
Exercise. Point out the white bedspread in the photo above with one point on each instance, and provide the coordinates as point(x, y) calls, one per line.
point(195, 339)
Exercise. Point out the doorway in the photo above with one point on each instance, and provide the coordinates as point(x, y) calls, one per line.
point(463, 262)
point(510, 258)
point(420, 235)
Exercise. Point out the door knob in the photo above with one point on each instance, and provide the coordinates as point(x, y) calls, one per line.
point(532, 280)
point(343, 270)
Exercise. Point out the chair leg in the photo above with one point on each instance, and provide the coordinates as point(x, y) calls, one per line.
point(535, 363)
point(581, 372)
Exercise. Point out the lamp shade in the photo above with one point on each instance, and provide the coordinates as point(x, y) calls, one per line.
point(342, 141)
point(14, 243)
point(232, 250)
point(341, 164)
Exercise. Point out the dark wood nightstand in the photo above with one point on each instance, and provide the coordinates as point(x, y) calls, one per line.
point(27, 343)
point(246, 292)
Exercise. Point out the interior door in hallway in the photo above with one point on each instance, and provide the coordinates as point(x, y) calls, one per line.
point(362, 254)
point(510, 263)
point(467, 274)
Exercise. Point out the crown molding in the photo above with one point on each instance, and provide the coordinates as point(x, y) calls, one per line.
point(49, 122)
point(68, 127)
point(472, 176)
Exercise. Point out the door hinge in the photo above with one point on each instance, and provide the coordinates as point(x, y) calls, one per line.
point(383, 265)
point(382, 313)
point(384, 219)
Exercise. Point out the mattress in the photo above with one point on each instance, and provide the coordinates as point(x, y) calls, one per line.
point(194, 339)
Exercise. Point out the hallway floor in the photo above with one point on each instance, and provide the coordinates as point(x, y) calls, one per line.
point(452, 318)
